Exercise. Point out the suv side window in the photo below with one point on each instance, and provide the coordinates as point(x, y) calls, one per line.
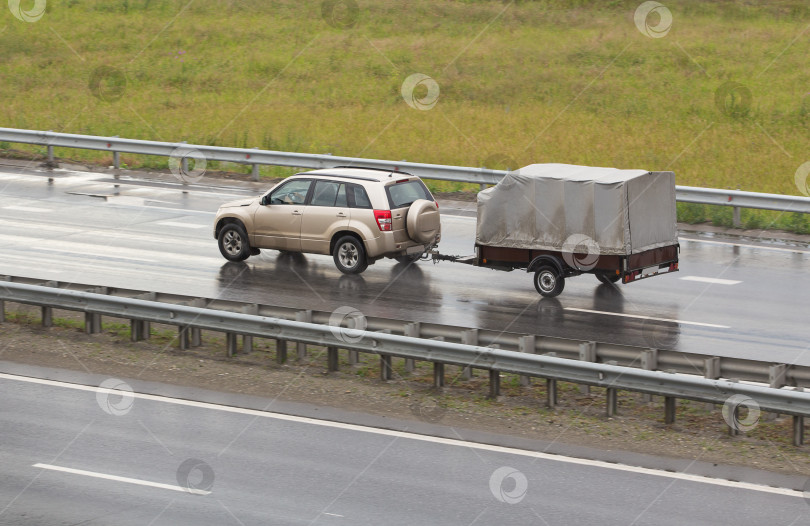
point(325, 193)
point(403, 194)
point(358, 198)
point(290, 193)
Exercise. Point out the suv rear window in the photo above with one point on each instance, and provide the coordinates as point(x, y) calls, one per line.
point(358, 198)
point(403, 194)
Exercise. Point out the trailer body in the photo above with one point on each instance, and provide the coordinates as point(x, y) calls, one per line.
point(561, 220)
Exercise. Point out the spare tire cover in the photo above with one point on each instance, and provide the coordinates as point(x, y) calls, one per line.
point(423, 221)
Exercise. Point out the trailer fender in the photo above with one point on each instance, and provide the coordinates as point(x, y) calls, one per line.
point(545, 260)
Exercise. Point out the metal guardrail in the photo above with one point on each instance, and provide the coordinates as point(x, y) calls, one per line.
point(482, 176)
point(386, 345)
point(654, 356)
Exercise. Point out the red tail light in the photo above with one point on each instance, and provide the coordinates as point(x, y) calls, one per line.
point(437, 204)
point(383, 218)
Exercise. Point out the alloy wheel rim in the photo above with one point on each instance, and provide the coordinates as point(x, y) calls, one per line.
point(348, 255)
point(233, 243)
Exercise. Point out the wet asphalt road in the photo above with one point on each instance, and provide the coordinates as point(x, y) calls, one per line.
point(130, 458)
point(732, 297)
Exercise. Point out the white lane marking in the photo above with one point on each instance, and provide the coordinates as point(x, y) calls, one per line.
point(716, 281)
point(122, 479)
point(181, 225)
point(332, 514)
point(28, 209)
point(763, 247)
point(426, 438)
point(697, 323)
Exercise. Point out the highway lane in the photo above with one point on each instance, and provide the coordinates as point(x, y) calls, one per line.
point(739, 298)
point(127, 460)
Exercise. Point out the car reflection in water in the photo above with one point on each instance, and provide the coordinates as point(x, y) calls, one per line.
point(403, 291)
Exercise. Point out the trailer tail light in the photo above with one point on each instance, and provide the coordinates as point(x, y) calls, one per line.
point(673, 267)
point(383, 218)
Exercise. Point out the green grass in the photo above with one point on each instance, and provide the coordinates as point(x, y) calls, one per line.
point(537, 81)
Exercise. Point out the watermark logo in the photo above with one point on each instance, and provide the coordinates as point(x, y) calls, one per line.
point(653, 19)
point(36, 12)
point(581, 252)
point(428, 409)
point(508, 485)
point(348, 324)
point(731, 412)
point(660, 335)
point(115, 397)
point(801, 178)
point(340, 14)
point(733, 99)
point(195, 476)
point(422, 100)
point(187, 164)
point(107, 83)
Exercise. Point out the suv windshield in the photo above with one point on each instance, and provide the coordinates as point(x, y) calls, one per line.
point(403, 194)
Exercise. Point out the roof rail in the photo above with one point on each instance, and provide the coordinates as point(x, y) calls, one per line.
point(377, 169)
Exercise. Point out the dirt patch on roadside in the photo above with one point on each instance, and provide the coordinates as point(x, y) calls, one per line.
point(699, 432)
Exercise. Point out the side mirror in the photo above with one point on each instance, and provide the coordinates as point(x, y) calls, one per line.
point(263, 202)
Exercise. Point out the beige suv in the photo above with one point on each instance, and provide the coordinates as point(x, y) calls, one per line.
point(358, 215)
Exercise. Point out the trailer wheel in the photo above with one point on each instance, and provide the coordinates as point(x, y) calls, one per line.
point(548, 281)
point(607, 279)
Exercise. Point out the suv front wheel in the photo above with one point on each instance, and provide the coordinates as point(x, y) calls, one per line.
point(349, 255)
point(233, 243)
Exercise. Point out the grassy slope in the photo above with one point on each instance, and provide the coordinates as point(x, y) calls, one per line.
point(571, 82)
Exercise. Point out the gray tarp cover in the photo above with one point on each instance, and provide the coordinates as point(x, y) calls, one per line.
point(562, 206)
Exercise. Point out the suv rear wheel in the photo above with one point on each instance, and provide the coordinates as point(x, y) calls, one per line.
point(349, 255)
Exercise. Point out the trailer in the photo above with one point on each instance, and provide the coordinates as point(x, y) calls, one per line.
point(560, 221)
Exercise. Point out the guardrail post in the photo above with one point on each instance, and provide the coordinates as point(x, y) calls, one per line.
point(736, 221)
point(117, 165)
point(332, 363)
point(551, 393)
point(2, 311)
point(669, 409)
point(587, 353)
point(711, 370)
point(47, 316)
point(182, 337)
point(304, 316)
point(196, 332)
point(649, 362)
point(735, 417)
point(281, 351)
point(494, 384)
point(777, 375)
point(385, 367)
point(469, 337)
point(247, 340)
point(438, 368)
point(526, 344)
point(50, 156)
point(413, 330)
point(386, 371)
point(798, 430)
point(612, 401)
point(136, 330)
point(354, 357)
point(92, 322)
point(230, 343)
point(254, 172)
